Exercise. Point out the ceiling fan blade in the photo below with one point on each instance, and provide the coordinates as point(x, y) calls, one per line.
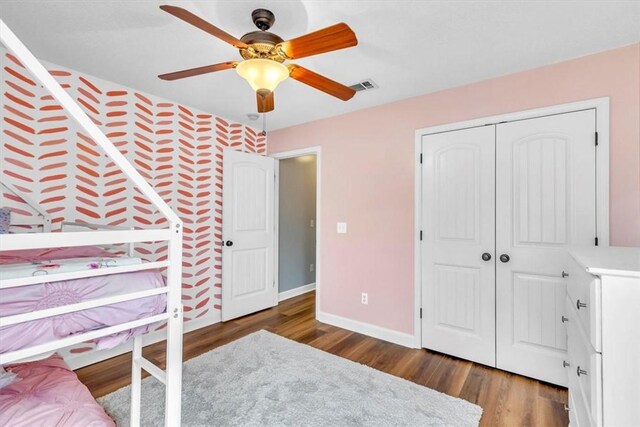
point(335, 37)
point(265, 102)
point(198, 70)
point(196, 21)
point(320, 82)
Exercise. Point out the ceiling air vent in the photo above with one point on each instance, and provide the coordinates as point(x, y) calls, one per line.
point(367, 84)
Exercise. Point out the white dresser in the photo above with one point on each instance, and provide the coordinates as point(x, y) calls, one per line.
point(603, 329)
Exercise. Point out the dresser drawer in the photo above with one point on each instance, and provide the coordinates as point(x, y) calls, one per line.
point(585, 367)
point(584, 290)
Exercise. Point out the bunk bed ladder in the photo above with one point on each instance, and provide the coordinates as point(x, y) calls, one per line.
point(172, 376)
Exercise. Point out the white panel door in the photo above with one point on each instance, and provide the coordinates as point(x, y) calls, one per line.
point(458, 220)
point(545, 204)
point(248, 234)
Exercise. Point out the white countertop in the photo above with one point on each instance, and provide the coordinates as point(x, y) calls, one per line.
point(609, 261)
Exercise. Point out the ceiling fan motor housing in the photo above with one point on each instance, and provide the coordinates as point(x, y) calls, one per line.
point(261, 45)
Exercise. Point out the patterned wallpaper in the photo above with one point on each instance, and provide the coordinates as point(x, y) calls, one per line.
point(177, 149)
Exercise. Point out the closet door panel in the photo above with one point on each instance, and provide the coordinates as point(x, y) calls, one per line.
point(458, 294)
point(545, 204)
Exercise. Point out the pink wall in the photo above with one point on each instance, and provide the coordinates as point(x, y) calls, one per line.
point(368, 172)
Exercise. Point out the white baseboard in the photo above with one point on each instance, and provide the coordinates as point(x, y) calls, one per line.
point(400, 338)
point(296, 291)
point(89, 358)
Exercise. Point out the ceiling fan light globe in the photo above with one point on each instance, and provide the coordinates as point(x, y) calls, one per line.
point(262, 74)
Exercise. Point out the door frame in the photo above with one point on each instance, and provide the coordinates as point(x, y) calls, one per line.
point(317, 151)
point(601, 105)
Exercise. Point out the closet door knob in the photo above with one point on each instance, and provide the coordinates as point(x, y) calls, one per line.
point(580, 305)
point(486, 256)
point(229, 243)
point(564, 274)
point(504, 258)
point(564, 319)
point(565, 364)
point(580, 371)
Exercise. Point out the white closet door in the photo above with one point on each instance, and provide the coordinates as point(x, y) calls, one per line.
point(249, 234)
point(458, 286)
point(545, 204)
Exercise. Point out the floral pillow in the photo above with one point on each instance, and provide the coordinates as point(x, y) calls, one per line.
point(5, 220)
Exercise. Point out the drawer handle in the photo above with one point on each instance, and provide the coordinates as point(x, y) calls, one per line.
point(565, 364)
point(580, 371)
point(580, 305)
point(564, 274)
point(564, 319)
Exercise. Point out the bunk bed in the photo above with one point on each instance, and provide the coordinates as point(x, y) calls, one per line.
point(38, 259)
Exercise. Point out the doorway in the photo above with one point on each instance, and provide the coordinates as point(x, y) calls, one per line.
point(297, 264)
point(251, 250)
point(296, 225)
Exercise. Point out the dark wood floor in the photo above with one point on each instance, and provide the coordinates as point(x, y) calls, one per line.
point(507, 399)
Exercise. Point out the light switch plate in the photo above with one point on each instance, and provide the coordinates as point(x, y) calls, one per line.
point(312, 223)
point(342, 228)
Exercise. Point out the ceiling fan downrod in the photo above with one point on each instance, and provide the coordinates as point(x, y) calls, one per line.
point(263, 19)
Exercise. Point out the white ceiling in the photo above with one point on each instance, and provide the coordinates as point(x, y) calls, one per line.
point(407, 47)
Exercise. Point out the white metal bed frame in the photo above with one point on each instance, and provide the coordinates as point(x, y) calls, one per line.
point(172, 376)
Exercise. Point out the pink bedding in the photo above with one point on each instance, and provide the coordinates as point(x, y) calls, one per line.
point(48, 393)
point(47, 295)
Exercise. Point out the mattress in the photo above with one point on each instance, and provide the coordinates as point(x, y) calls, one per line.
point(36, 262)
point(48, 393)
point(30, 298)
point(46, 267)
point(48, 254)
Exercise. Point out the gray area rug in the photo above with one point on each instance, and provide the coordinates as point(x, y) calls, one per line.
point(266, 380)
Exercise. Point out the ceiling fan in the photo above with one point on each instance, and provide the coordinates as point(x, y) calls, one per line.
point(264, 53)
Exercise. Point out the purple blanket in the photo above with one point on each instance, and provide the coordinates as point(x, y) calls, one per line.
point(47, 295)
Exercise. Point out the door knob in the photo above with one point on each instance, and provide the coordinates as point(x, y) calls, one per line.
point(565, 274)
point(504, 258)
point(486, 256)
point(229, 243)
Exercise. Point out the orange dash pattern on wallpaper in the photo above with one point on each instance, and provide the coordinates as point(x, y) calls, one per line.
point(177, 149)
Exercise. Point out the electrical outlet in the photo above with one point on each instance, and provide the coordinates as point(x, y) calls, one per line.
point(311, 268)
point(365, 298)
point(341, 228)
point(312, 223)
